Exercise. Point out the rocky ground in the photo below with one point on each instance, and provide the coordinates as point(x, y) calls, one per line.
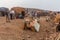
point(14, 31)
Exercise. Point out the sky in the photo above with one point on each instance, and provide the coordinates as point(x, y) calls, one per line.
point(53, 5)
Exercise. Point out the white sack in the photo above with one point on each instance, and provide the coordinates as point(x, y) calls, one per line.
point(37, 26)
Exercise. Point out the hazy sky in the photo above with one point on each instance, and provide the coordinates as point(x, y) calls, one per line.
point(41, 4)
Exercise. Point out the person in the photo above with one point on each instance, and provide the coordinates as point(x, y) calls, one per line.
point(12, 14)
point(47, 19)
point(23, 14)
point(7, 17)
point(35, 14)
point(58, 27)
point(38, 15)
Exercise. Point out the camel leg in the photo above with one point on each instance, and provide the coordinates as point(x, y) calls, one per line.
point(33, 29)
point(25, 26)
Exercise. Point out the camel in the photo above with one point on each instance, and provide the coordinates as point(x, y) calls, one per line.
point(32, 24)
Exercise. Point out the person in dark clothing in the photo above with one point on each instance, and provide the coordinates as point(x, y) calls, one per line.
point(23, 14)
point(11, 16)
point(58, 27)
point(3, 14)
point(7, 17)
point(38, 15)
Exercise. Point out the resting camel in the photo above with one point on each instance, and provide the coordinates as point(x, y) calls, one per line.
point(32, 24)
point(57, 22)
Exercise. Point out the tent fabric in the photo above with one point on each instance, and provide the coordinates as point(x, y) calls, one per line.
point(4, 9)
point(18, 9)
